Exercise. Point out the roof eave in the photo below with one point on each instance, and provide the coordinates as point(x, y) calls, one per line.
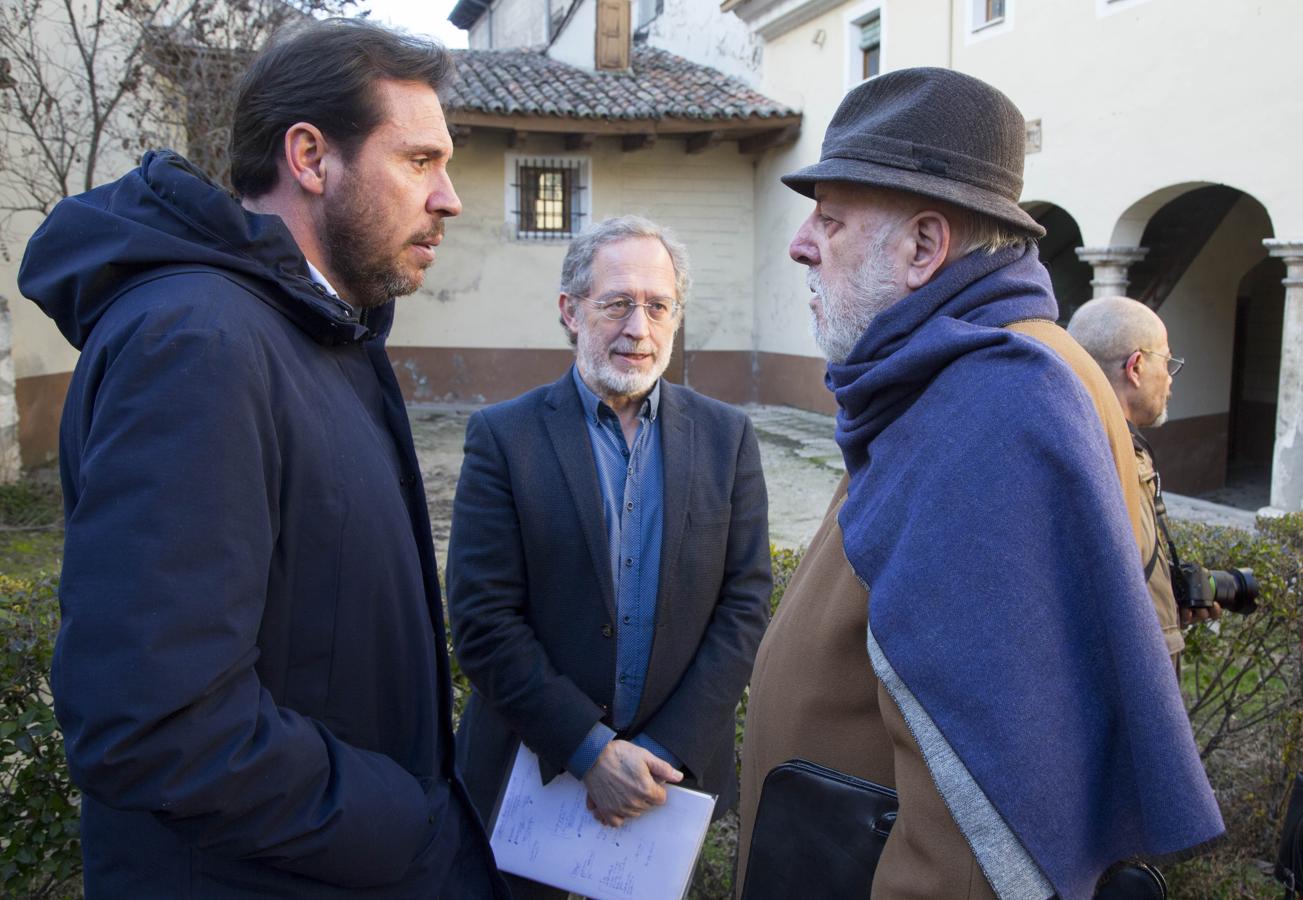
point(467, 12)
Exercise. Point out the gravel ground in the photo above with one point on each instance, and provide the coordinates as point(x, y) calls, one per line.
point(802, 467)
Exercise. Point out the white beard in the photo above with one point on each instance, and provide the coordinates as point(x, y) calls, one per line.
point(850, 309)
point(595, 362)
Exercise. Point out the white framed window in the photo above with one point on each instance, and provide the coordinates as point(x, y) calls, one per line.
point(988, 18)
point(871, 46)
point(548, 197)
point(864, 27)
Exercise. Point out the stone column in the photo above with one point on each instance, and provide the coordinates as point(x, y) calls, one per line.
point(1111, 267)
point(10, 459)
point(1287, 458)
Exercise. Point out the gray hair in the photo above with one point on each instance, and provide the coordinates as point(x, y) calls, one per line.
point(1112, 328)
point(981, 232)
point(970, 230)
point(577, 269)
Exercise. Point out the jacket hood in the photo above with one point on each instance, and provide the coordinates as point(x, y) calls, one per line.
point(166, 212)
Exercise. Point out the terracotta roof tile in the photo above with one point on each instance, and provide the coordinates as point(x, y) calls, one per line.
point(660, 85)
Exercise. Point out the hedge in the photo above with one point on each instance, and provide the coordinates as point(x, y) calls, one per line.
point(1243, 681)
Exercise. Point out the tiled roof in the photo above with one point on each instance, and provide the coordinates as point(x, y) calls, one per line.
point(659, 85)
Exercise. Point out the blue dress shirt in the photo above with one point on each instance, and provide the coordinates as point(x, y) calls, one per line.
point(632, 484)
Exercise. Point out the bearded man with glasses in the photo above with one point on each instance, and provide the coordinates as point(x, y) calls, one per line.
point(608, 569)
point(1129, 341)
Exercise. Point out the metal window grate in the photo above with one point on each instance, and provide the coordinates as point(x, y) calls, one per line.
point(549, 198)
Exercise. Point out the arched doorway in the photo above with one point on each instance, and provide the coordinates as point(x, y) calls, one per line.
point(1069, 275)
point(1255, 383)
point(1205, 274)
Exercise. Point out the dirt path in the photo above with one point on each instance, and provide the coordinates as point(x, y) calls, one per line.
point(802, 466)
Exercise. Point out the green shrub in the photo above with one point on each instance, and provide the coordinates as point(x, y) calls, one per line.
point(783, 562)
point(40, 851)
point(30, 504)
point(1243, 685)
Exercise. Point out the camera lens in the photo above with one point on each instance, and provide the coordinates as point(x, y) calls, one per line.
point(1235, 589)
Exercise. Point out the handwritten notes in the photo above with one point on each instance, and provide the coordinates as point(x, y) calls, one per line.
point(547, 834)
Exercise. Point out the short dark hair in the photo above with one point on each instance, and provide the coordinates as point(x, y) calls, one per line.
point(322, 72)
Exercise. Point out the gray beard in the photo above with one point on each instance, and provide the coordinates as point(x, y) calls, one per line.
point(594, 361)
point(849, 311)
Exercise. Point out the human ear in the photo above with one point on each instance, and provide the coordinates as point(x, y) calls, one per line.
point(1131, 369)
point(928, 234)
point(305, 156)
point(567, 304)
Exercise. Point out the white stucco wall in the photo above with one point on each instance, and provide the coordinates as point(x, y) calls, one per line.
point(488, 289)
point(1158, 93)
point(1200, 312)
point(38, 347)
point(696, 31)
point(510, 23)
point(1145, 96)
point(577, 44)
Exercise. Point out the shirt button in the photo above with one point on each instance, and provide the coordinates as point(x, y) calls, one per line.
point(630, 470)
point(629, 505)
point(628, 561)
point(607, 630)
point(623, 679)
point(626, 620)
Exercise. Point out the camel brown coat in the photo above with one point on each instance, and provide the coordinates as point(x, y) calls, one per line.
point(814, 694)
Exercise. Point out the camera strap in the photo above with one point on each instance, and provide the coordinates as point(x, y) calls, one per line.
point(1160, 508)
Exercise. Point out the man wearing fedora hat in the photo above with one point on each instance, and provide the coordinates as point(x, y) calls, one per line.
point(970, 624)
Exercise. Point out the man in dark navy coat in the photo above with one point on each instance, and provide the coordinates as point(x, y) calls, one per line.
point(608, 570)
point(251, 672)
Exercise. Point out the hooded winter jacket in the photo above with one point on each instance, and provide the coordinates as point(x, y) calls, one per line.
point(251, 671)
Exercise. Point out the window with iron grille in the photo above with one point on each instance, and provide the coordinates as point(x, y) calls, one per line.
point(550, 196)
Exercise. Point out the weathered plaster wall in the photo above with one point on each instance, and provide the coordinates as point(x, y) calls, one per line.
point(510, 23)
point(697, 32)
point(488, 289)
point(1159, 93)
point(1200, 312)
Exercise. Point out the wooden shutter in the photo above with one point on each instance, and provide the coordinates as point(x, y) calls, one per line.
point(612, 34)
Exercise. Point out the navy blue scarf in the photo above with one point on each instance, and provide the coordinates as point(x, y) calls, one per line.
point(1006, 589)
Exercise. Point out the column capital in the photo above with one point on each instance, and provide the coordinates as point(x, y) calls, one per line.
point(1118, 256)
point(1111, 265)
point(1292, 253)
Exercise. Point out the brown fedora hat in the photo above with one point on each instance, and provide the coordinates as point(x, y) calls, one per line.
point(934, 132)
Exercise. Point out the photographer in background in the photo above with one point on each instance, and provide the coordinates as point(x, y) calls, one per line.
point(1129, 342)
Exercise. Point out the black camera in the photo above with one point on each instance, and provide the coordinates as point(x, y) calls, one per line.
point(1199, 588)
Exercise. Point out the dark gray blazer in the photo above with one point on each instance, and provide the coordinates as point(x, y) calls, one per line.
point(532, 600)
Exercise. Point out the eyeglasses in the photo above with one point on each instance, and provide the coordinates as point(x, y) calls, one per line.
point(1174, 363)
point(619, 307)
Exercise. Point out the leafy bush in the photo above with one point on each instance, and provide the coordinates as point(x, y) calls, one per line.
point(1243, 684)
point(1243, 681)
point(40, 851)
point(30, 504)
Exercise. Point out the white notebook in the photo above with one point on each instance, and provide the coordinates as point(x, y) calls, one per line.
point(547, 834)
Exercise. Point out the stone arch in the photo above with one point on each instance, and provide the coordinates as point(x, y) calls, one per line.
point(1198, 243)
point(1131, 224)
point(1058, 249)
